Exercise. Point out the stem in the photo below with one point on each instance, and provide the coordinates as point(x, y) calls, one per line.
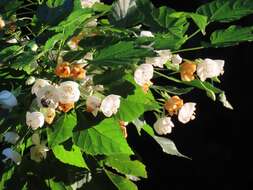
point(167, 77)
point(188, 49)
point(194, 34)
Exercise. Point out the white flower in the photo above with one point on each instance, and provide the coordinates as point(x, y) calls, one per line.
point(38, 152)
point(2, 23)
point(30, 80)
point(163, 125)
point(34, 120)
point(176, 59)
point(164, 56)
point(11, 154)
point(39, 83)
point(145, 33)
point(7, 99)
point(92, 23)
point(88, 3)
point(93, 103)
point(110, 105)
point(209, 68)
point(12, 41)
point(187, 112)
point(11, 137)
point(143, 74)
point(48, 96)
point(68, 92)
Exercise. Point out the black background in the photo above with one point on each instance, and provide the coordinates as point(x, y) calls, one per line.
point(218, 140)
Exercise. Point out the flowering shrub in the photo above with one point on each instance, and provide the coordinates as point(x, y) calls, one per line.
point(75, 74)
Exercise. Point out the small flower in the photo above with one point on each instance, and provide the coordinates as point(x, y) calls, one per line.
point(176, 59)
point(12, 41)
point(143, 74)
point(66, 107)
point(187, 70)
point(38, 152)
point(11, 137)
point(110, 105)
point(30, 80)
point(77, 72)
point(88, 3)
point(123, 125)
point(12, 155)
point(173, 104)
point(145, 33)
point(73, 42)
point(68, 92)
point(48, 96)
point(39, 83)
point(7, 99)
point(2, 23)
point(34, 120)
point(62, 70)
point(164, 56)
point(163, 125)
point(93, 104)
point(187, 112)
point(92, 23)
point(209, 68)
point(49, 114)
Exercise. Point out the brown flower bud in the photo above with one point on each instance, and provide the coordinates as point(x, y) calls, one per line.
point(123, 125)
point(187, 69)
point(77, 72)
point(66, 107)
point(173, 105)
point(63, 70)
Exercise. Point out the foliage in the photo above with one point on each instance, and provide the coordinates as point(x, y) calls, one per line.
point(107, 51)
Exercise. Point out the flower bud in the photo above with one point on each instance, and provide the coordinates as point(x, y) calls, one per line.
point(163, 125)
point(7, 99)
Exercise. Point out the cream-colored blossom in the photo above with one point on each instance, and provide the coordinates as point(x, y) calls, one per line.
point(176, 59)
point(146, 33)
point(143, 74)
point(34, 120)
point(88, 3)
point(39, 83)
point(93, 104)
point(187, 112)
point(2, 23)
point(48, 96)
point(7, 99)
point(30, 80)
point(209, 68)
point(12, 155)
point(11, 137)
point(110, 105)
point(164, 56)
point(68, 92)
point(38, 152)
point(163, 125)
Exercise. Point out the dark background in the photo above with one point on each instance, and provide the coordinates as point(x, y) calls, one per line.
point(218, 140)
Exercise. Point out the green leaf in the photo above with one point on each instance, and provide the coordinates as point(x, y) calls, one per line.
point(226, 10)
point(125, 13)
point(200, 20)
point(203, 86)
point(123, 164)
point(105, 138)
point(51, 42)
point(142, 125)
point(9, 51)
point(174, 90)
point(56, 185)
point(5, 177)
point(135, 105)
point(120, 182)
point(73, 157)
point(61, 130)
point(120, 53)
point(231, 36)
point(25, 62)
point(168, 146)
point(75, 20)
